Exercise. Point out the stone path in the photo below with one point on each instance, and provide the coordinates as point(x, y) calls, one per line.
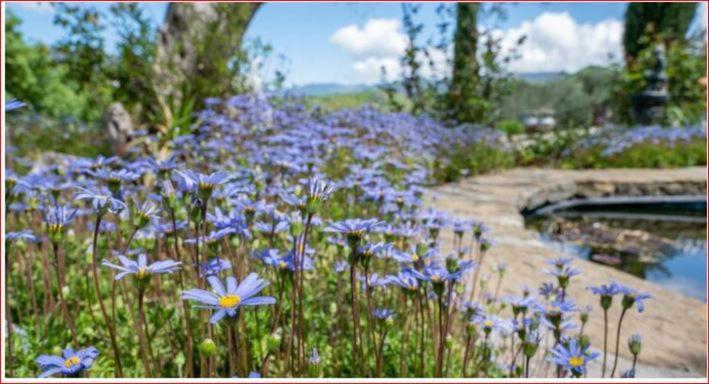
point(673, 326)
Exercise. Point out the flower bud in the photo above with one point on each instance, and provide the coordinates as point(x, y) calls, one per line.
point(66, 291)
point(628, 301)
point(606, 301)
point(470, 329)
point(635, 344)
point(451, 264)
point(530, 349)
point(208, 347)
point(204, 191)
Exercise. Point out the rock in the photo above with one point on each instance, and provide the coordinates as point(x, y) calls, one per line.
point(606, 259)
point(119, 127)
point(604, 188)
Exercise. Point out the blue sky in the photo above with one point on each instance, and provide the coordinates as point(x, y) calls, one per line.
point(349, 42)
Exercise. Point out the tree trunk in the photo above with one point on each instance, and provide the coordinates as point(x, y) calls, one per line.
point(197, 43)
point(464, 103)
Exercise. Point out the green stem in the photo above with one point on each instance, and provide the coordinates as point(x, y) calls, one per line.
point(605, 342)
point(465, 355)
point(61, 282)
point(189, 361)
point(403, 369)
point(142, 334)
point(617, 342)
point(355, 318)
point(97, 287)
point(10, 326)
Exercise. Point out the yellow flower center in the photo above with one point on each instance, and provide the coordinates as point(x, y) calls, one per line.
point(489, 323)
point(229, 301)
point(70, 362)
point(282, 265)
point(436, 278)
point(414, 257)
point(576, 361)
point(142, 272)
point(55, 228)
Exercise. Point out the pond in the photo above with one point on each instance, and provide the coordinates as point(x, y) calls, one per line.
point(660, 241)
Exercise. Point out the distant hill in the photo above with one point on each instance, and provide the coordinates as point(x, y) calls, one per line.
point(324, 89)
point(540, 77)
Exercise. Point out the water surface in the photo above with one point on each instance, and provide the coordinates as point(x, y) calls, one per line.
point(663, 243)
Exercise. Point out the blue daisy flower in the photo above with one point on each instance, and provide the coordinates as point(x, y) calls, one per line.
point(632, 297)
point(69, 364)
point(572, 356)
point(140, 267)
point(225, 301)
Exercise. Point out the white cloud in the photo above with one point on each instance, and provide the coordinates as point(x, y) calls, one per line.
point(35, 6)
point(556, 42)
point(380, 44)
point(379, 38)
point(370, 69)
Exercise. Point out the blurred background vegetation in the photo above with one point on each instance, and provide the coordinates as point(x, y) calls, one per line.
point(163, 74)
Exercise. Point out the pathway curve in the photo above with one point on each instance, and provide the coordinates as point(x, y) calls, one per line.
point(673, 326)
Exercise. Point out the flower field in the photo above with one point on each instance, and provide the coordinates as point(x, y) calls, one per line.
point(278, 241)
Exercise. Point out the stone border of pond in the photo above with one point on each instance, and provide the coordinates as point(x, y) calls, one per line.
point(618, 201)
point(673, 327)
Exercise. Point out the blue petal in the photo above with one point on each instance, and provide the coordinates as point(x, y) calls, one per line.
point(90, 352)
point(250, 286)
point(201, 295)
point(49, 372)
point(217, 285)
point(231, 284)
point(67, 353)
point(48, 360)
point(164, 266)
point(108, 264)
point(260, 300)
point(218, 315)
point(128, 263)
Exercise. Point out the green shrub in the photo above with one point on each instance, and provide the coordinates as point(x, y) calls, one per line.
point(31, 135)
point(473, 160)
point(549, 149)
point(510, 127)
point(645, 155)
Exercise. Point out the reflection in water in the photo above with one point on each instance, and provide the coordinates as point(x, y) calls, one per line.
point(661, 245)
